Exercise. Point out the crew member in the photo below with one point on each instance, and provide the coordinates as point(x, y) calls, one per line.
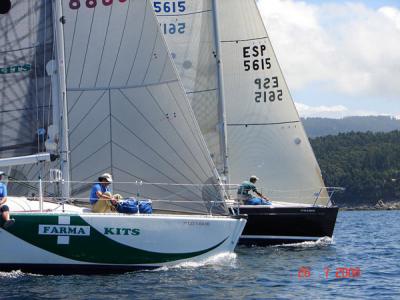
point(4, 210)
point(101, 197)
point(243, 193)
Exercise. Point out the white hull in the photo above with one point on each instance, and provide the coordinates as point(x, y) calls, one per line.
point(81, 242)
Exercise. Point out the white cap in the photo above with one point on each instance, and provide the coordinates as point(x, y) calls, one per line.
point(2, 173)
point(106, 176)
point(253, 177)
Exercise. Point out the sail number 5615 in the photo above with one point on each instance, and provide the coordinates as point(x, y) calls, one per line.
point(169, 6)
point(254, 58)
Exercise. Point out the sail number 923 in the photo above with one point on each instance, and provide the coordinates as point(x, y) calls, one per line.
point(267, 89)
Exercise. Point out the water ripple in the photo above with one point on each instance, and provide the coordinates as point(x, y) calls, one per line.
point(367, 240)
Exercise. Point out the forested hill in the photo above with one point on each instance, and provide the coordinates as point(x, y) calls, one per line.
point(325, 126)
point(366, 164)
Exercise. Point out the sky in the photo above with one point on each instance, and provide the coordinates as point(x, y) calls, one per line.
point(340, 58)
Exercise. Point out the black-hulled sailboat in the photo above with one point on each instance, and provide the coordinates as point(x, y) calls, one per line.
point(247, 116)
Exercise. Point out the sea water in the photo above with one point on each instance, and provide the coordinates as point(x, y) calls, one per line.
point(362, 261)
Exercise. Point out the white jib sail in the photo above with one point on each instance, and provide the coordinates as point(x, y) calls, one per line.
point(265, 135)
point(189, 31)
point(127, 111)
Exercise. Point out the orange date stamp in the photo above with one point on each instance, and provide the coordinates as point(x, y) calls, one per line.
point(304, 272)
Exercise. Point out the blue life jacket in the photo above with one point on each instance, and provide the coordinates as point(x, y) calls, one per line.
point(145, 207)
point(132, 206)
point(128, 206)
point(257, 201)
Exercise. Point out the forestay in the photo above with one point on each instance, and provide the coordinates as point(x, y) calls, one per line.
point(265, 135)
point(188, 29)
point(127, 111)
point(26, 46)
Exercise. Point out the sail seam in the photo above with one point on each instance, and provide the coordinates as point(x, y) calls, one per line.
point(151, 148)
point(25, 48)
point(76, 101)
point(22, 109)
point(256, 124)
point(151, 58)
point(104, 45)
point(245, 40)
point(87, 47)
point(185, 14)
point(120, 43)
point(154, 168)
point(177, 132)
point(72, 44)
point(199, 143)
point(201, 91)
point(139, 43)
point(93, 130)
point(87, 113)
point(165, 65)
point(162, 137)
point(88, 156)
point(105, 88)
point(171, 147)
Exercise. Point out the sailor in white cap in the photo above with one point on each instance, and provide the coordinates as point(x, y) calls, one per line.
point(101, 197)
point(243, 193)
point(4, 210)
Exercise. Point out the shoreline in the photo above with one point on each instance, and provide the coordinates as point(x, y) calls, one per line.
point(380, 205)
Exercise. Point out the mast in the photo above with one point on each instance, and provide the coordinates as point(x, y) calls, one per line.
point(221, 95)
point(59, 37)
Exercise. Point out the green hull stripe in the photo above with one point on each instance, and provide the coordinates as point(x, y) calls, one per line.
point(95, 248)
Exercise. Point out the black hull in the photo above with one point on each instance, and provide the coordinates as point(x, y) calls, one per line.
point(286, 225)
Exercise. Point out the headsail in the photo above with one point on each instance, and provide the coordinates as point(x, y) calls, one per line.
point(265, 134)
point(127, 111)
point(189, 31)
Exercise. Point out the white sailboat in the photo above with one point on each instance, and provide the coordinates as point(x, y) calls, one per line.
point(246, 113)
point(103, 69)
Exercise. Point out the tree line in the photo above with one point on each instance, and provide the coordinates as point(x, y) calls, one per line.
point(324, 126)
point(366, 164)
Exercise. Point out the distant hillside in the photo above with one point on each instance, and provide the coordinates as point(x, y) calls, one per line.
point(324, 126)
point(366, 164)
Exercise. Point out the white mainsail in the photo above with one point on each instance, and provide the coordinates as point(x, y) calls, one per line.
point(127, 111)
point(264, 135)
point(189, 31)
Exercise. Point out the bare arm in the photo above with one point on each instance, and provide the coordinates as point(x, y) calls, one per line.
point(104, 195)
point(262, 196)
point(3, 200)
